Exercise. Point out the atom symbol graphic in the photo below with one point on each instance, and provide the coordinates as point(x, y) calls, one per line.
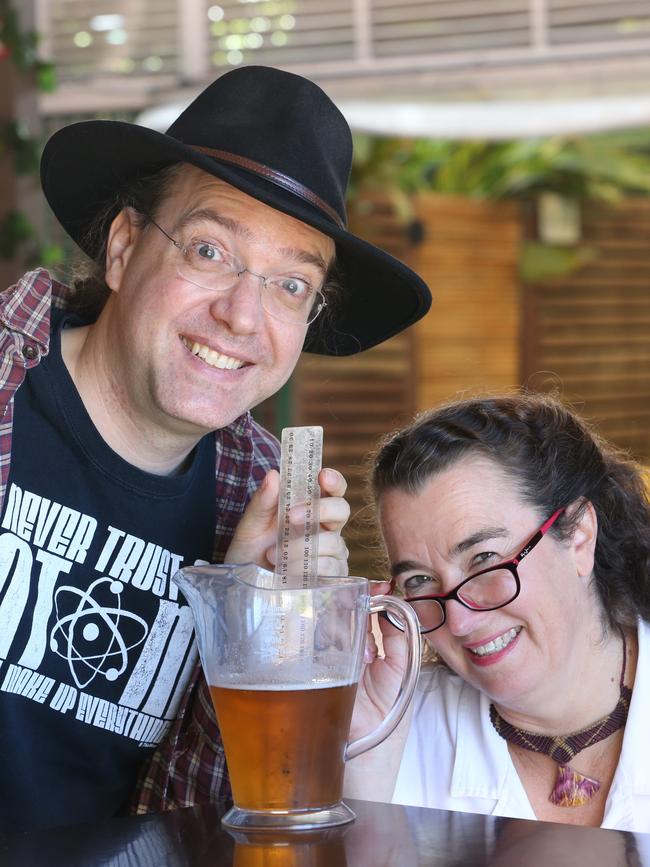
point(84, 624)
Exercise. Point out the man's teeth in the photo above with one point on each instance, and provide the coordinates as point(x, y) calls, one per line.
point(214, 359)
point(498, 643)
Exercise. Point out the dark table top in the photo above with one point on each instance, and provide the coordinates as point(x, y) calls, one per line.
point(383, 835)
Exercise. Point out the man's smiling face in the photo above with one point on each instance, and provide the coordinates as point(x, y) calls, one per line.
point(192, 359)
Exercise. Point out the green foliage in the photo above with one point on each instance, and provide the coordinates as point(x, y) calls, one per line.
point(541, 262)
point(15, 229)
point(14, 138)
point(584, 168)
point(22, 47)
point(17, 234)
point(589, 168)
point(47, 255)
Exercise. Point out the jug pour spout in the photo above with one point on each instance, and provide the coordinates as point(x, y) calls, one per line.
point(200, 583)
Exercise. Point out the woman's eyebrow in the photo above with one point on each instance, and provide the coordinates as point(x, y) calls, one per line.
point(479, 536)
point(407, 566)
point(463, 545)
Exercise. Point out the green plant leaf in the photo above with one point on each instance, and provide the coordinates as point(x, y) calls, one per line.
point(15, 229)
point(541, 262)
point(46, 76)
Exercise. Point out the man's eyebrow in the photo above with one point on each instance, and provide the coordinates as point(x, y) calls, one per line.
point(202, 215)
point(305, 257)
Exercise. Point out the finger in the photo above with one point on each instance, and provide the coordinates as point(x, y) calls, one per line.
point(261, 511)
point(333, 513)
point(257, 527)
point(379, 587)
point(371, 651)
point(332, 545)
point(333, 566)
point(333, 550)
point(391, 635)
point(332, 483)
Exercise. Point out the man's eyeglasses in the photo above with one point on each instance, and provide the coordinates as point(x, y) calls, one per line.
point(486, 590)
point(286, 298)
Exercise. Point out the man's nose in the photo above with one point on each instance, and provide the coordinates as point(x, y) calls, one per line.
point(240, 307)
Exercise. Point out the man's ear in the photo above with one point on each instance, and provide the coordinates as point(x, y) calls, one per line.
point(584, 539)
point(122, 236)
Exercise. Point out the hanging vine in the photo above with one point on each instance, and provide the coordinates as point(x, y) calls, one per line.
point(17, 234)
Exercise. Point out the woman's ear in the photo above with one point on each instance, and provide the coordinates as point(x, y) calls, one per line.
point(584, 539)
point(122, 236)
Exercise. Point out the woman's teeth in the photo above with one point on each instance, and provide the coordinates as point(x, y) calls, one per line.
point(214, 359)
point(498, 643)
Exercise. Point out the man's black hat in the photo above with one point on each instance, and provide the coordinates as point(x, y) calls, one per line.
point(274, 135)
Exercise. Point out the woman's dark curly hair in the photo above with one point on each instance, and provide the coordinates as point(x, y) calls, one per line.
point(556, 459)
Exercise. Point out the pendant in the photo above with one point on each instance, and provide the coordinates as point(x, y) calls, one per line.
point(572, 789)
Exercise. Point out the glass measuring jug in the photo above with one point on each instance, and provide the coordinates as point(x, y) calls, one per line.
point(283, 661)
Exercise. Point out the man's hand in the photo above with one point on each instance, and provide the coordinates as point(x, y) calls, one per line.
point(256, 535)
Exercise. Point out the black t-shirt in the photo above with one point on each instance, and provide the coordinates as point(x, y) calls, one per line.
point(96, 645)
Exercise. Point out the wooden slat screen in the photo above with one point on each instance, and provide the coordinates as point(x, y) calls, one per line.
point(588, 335)
point(325, 37)
point(469, 342)
point(143, 44)
point(445, 26)
point(593, 21)
point(282, 32)
point(358, 399)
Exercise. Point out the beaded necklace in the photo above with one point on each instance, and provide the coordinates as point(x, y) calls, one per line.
point(571, 788)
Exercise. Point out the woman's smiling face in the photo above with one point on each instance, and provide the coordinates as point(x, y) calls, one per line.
point(467, 518)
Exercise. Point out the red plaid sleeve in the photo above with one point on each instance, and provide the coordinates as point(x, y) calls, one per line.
point(24, 340)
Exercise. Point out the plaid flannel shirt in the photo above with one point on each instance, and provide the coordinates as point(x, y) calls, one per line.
point(188, 767)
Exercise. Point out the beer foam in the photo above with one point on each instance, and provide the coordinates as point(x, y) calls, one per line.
point(272, 686)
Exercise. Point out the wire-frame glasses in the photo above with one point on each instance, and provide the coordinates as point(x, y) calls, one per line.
point(287, 298)
point(486, 590)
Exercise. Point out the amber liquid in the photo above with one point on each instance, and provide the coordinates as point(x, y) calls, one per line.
point(292, 853)
point(285, 747)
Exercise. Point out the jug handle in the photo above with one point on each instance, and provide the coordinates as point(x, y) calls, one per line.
point(409, 681)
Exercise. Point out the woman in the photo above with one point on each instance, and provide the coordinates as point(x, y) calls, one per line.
point(522, 540)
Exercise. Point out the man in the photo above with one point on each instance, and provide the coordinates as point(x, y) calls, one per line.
point(221, 252)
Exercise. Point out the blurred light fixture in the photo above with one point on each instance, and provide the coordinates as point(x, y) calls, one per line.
point(153, 63)
point(558, 220)
point(499, 119)
point(82, 39)
point(489, 121)
point(106, 22)
point(116, 37)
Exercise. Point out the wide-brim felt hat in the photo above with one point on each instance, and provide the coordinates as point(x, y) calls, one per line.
point(274, 135)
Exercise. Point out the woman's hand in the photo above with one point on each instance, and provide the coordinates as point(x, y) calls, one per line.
point(381, 677)
point(372, 775)
point(256, 535)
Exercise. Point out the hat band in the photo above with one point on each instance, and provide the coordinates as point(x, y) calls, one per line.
point(276, 178)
